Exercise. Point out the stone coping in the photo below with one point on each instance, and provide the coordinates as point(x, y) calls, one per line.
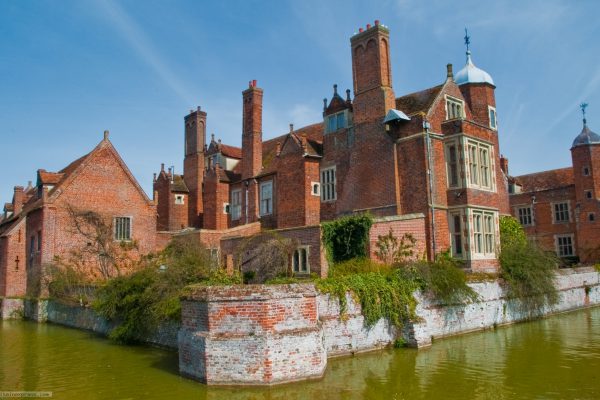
point(248, 292)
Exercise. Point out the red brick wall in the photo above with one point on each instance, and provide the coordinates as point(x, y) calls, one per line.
point(405, 224)
point(588, 234)
point(216, 195)
point(543, 230)
point(13, 274)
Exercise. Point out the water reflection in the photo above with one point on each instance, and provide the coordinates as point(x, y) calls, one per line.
point(557, 358)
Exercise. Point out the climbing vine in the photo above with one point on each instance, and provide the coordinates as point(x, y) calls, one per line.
point(347, 237)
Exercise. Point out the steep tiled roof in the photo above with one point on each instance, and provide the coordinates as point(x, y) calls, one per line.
point(314, 136)
point(231, 151)
point(178, 184)
point(49, 178)
point(553, 179)
point(417, 102)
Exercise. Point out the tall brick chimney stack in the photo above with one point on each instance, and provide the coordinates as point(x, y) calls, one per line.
point(371, 73)
point(504, 164)
point(18, 198)
point(252, 131)
point(193, 163)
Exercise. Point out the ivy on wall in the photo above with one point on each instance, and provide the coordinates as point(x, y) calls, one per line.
point(347, 237)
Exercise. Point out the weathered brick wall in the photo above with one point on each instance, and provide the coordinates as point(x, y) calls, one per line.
point(252, 334)
point(260, 334)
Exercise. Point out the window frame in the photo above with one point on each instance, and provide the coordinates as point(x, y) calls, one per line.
point(116, 228)
point(452, 113)
point(332, 121)
point(297, 261)
point(450, 173)
point(480, 165)
point(555, 213)
point(484, 233)
point(520, 216)
point(492, 111)
point(179, 199)
point(236, 207)
point(558, 246)
point(268, 210)
point(329, 187)
point(456, 237)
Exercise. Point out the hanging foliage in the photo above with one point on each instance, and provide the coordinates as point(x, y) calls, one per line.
point(347, 237)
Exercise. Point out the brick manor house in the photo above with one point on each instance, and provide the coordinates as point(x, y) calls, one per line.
point(427, 163)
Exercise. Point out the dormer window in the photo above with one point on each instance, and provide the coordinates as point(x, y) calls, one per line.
point(454, 108)
point(337, 121)
point(493, 119)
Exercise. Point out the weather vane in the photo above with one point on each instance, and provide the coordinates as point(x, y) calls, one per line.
point(583, 106)
point(467, 39)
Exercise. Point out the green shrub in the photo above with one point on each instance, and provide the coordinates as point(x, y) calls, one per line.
point(395, 252)
point(528, 270)
point(140, 301)
point(356, 266)
point(446, 280)
point(347, 237)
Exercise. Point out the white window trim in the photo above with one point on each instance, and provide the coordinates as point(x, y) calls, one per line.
point(450, 99)
point(226, 208)
point(179, 196)
point(569, 235)
point(552, 209)
point(312, 187)
point(495, 234)
point(490, 109)
point(267, 212)
point(299, 272)
point(328, 184)
point(130, 228)
point(491, 164)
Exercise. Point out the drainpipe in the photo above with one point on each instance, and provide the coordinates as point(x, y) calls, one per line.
point(247, 202)
point(430, 177)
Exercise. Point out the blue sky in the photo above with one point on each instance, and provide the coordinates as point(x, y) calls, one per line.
point(71, 69)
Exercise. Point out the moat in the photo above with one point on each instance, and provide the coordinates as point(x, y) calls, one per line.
point(557, 357)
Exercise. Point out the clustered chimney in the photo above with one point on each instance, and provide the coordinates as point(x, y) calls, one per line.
point(252, 130)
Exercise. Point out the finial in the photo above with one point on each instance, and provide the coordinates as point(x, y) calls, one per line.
point(335, 88)
point(291, 127)
point(212, 137)
point(105, 135)
point(348, 95)
point(449, 73)
point(324, 103)
point(583, 106)
point(467, 40)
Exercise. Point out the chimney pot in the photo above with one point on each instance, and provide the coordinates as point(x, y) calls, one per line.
point(199, 109)
point(254, 83)
point(347, 94)
point(376, 22)
point(162, 167)
point(368, 26)
point(291, 127)
point(360, 30)
point(449, 72)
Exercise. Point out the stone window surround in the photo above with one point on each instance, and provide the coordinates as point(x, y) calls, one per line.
point(449, 100)
point(461, 142)
point(553, 211)
point(490, 111)
point(116, 228)
point(329, 187)
point(179, 199)
point(572, 244)
point(265, 207)
point(468, 238)
point(518, 207)
point(236, 204)
point(300, 270)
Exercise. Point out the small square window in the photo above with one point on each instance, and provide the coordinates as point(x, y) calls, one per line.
point(315, 188)
point(179, 199)
point(588, 194)
point(591, 217)
point(586, 171)
point(226, 208)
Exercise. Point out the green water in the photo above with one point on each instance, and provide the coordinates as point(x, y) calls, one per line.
point(554, 358)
